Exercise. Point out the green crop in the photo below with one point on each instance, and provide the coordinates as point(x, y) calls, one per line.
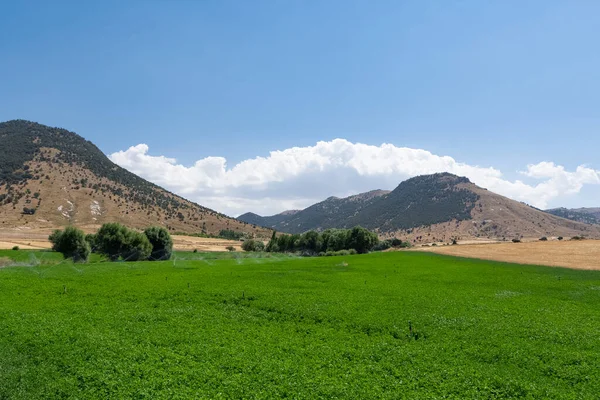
point(384, 325)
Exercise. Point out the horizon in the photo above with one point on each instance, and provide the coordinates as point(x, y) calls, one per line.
point(268, 107)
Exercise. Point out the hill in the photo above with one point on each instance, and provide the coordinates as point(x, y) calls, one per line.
point(431, 208)
point(585, 215)
point(50, 177)
point(273, 220)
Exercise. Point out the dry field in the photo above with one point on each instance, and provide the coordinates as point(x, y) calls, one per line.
point(38, 239)
point(584, 254)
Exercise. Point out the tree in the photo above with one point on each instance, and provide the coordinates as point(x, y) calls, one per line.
point(110, 240)
point(117, 241)
point(162, 244)
point(137, 247)
point(338, 240)
point(272, 246)
point(71, 243)
point(253, 245)
point(310, 241)
point(361, 239)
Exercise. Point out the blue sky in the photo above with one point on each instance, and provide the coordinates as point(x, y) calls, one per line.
point(499, 84)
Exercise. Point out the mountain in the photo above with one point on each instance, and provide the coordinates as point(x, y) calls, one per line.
point(50, 177)
point(430, 208)
point(585, 215)
point(273, 220)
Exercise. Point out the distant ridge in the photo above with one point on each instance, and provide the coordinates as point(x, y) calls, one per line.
point(429, 208)
point(585, 215)
point(50, 177)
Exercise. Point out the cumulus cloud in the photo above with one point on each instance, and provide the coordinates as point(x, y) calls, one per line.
point(297, 177)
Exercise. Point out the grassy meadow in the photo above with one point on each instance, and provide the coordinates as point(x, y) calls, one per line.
point(383, 325)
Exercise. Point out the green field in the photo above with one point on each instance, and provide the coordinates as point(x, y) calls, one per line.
point(223, 326)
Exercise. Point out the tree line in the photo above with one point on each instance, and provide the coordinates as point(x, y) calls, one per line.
point(115, 241)
point(329, 242)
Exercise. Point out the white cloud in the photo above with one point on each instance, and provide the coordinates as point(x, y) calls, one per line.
point(300, 176)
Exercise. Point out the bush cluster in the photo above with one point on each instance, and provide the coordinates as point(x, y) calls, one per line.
point(115, 241)
point(313, 243)
point(389, 243)
point(253, 245)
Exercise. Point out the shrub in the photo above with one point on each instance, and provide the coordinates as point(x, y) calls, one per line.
point(15, 248)
point(577, 238)
point(543, 239)
point(516, 240)
point(253, 245)
point(71, 243)
point(382, 245)
point(230, 234)
point(117, 241)
point(337, 239)
point(195, 251)
point(110, 239)
point(137, 247)
point(162, 244)
point(339, 253)
point(230, 248)
point(395, 242)
point(362, 240)
point(560, 238)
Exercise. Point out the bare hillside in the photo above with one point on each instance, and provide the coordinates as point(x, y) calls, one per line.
point(50, 177)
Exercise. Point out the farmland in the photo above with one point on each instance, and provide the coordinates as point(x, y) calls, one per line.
point(218, 325)
point(37, 239)
point(577, 254)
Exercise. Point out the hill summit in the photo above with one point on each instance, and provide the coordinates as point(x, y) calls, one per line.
point(429, 208)
point(50, 177)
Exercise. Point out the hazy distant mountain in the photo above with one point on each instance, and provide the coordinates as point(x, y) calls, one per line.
point(50, 177)
point(585, 215)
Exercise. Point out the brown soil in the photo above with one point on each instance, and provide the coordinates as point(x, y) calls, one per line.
point(60, 199)
point(584, 254)
point(498, 218)
point(30, 239)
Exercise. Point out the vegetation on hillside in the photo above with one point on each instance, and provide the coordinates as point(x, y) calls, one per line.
point(420, 201)
point(269, 222)
point(574, 215)
point(22, 141)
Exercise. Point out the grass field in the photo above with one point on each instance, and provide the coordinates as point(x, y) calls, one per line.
point(222, 326)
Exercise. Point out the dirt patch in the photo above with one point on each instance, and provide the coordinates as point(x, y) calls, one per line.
point(38, 239)
point(584, 254)
point(25, 244)
point(190, 243)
